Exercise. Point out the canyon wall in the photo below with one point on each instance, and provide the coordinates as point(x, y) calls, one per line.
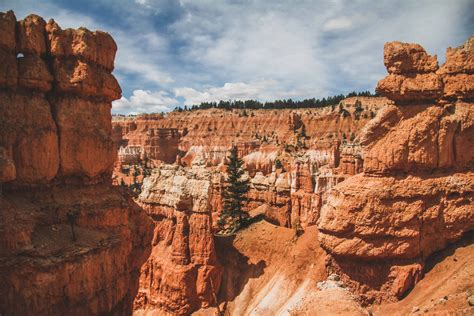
point(416, 193)
point(292, 156)
point(70, 243)
point(209, 133)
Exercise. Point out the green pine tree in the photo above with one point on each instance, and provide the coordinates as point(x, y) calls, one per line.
point(235, 191)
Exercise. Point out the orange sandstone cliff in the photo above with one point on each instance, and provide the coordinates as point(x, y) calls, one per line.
point(416, 193)
point(56, 159)
point(208, 134)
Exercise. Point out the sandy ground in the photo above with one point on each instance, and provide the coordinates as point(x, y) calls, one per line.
point(445, 288)
point(271, 272)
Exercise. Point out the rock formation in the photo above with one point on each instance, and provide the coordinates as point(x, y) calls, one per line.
point(183, 273)
point(294, 197)
point(152, 143)
point(209, 133)
point(416, 193)
point(70, 243)
point(310, 147)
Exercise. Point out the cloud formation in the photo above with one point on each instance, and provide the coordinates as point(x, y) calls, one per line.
point(229, 91)
point(143, 101)
point(185, 52)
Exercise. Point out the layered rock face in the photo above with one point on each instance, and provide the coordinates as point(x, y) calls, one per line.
point(152, 143)
point(294, 197)
point(70, 243)
point(416, 193)
point(183, 273)
point(208, 134)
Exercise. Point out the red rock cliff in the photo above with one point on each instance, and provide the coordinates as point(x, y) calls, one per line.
point(56, 159)
point(416, 193)
point(209, 133)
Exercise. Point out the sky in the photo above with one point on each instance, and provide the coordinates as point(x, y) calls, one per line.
point(184, 52)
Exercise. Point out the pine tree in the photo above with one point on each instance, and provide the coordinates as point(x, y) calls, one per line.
point(235, 190)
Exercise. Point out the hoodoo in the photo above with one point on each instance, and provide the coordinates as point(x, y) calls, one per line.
point(183, 272)
point(70, 243)
point(416, 193)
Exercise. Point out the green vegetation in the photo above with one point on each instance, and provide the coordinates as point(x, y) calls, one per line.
point(297, 228)
point(279, 165)
point(277, 104)
point(143, 169)
point(358, 109)
point(234, 194)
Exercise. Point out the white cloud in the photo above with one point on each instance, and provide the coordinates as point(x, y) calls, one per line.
point(205, 50)
point(145, 101)
point(132, 60)
point(318, 46)
point(229, 91)
point(265, 90)
point(336, 24)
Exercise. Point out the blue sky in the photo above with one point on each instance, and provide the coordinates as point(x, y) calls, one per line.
point(184, 52)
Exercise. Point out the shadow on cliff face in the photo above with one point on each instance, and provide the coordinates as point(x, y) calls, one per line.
point(373, 275)
point(238, 270)
point(440, 256)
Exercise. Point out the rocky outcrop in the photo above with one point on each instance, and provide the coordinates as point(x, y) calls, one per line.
point(273, 190)
point(351, 161)
point(294, 197)
point(152, 143)
point(183, 273)
point(70, 243)
point(416, 193)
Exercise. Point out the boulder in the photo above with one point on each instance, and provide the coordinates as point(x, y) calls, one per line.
point(29, 132)
point(84, 132)
point(80, 78)
point(460, 59)
point(405, 58)
point(388, 218)
point(417, 87)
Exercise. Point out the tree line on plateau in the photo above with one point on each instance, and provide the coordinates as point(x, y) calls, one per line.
point(277, 104)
